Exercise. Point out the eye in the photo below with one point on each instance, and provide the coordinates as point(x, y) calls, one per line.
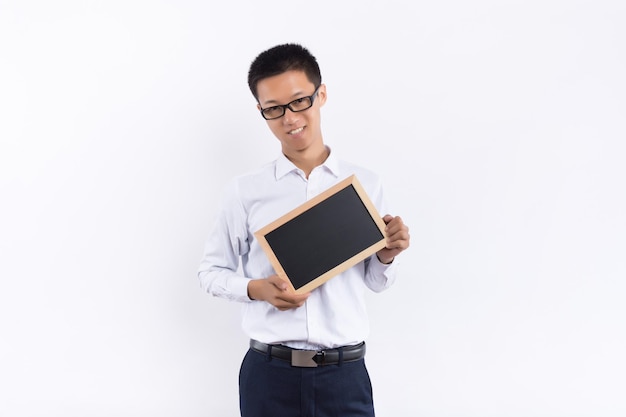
point(273, 111)
point(301, 103)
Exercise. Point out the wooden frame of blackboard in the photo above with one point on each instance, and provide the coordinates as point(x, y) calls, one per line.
point(324, 236)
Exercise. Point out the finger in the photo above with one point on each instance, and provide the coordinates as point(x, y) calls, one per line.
point(394, 226)
point(295, 299)
point(278, 282)
point(398, 245)
point(287, 304)
point(398, 232)
point(395, 222)
point(399, 239)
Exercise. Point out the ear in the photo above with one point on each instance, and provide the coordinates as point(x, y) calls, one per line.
point(321, 94)
point(258, 107)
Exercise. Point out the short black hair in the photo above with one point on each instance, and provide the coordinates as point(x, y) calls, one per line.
point(283, 58)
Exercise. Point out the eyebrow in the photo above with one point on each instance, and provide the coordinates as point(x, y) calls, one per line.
point(293, 97)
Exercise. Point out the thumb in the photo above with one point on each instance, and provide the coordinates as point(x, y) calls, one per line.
point(278, 282)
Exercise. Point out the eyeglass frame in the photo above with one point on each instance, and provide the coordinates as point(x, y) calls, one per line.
point(288, 105)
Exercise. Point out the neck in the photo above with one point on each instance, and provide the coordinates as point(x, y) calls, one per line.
point(308, 159)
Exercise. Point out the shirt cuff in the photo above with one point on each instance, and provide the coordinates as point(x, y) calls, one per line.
point(382, 275)
point(384, 267)
point(239, 289)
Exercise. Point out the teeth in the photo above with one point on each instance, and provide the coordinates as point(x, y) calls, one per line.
point(295, 131)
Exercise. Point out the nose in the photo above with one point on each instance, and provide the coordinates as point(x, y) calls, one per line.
point(290, 117)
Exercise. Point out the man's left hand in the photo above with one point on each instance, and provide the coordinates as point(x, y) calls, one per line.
point(397, 239)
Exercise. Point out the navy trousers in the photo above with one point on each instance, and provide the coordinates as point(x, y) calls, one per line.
point(270, 387)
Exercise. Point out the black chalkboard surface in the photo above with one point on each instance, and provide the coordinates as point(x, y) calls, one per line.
point(323, 237)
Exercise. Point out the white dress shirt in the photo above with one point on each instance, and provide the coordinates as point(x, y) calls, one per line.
point(335, 313)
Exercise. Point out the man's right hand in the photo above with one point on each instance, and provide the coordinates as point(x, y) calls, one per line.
point(277, 292)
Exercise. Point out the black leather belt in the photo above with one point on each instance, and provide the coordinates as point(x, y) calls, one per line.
point(311, 358)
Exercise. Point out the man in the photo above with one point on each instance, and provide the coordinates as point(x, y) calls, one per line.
point(331, 320)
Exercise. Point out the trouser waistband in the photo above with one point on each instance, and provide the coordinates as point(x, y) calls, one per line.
point(311, 358)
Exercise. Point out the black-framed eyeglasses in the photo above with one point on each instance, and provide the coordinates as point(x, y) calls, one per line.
point(299, 104)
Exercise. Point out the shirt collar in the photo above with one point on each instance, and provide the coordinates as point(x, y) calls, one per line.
point(284, 166)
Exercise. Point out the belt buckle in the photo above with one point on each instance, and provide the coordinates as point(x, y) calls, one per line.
point(303, 358)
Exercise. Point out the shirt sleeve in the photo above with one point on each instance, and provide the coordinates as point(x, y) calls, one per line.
point(227, 242)
point(379, 276)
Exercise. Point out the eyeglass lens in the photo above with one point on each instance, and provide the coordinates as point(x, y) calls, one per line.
point(299, 104)
point(296, 105)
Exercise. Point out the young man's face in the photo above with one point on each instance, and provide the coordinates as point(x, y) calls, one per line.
point(300, 131)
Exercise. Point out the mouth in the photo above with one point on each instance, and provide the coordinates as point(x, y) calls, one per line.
point(296, 131)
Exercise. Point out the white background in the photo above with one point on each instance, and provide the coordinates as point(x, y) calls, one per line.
point(497, 126)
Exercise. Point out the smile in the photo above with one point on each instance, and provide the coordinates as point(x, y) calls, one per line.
point(296, 131)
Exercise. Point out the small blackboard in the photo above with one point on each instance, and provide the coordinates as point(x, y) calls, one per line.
point(324, 236)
